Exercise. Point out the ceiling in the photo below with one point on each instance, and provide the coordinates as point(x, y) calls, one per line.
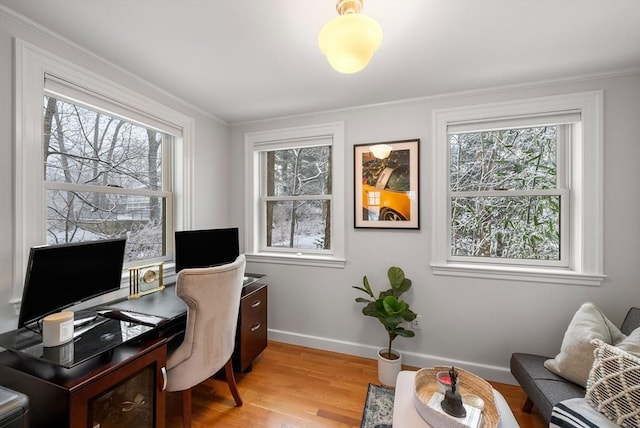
point(244, 60)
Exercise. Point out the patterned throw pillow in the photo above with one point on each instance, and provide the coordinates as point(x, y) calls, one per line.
point(613, 387)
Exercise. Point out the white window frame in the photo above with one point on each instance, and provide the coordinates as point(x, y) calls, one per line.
point(68, 92)
point(567, 131)
point(255, 144)
point(31, 65)
point(584, 265)
point(264, 148)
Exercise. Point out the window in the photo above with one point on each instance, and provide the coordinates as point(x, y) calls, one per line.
point(104, 178)
point(513, 190)
point(508, 200)
point(296, 198)
point(95, 160)
point(294, 210)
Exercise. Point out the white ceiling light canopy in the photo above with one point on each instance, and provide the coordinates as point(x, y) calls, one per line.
point(350, 39)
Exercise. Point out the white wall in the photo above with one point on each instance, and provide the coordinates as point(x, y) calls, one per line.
point(474, 323)
point(211, 151)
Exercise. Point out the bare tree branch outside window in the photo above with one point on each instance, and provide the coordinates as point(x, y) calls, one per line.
point(103, 179)
point(298, 198)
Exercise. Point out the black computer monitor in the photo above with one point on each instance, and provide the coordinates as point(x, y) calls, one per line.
point(205, 248)
point(60, 276)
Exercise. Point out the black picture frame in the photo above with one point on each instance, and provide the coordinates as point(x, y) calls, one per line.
point(387, 185)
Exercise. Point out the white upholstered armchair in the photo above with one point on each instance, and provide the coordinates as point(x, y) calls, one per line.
point(212, 296)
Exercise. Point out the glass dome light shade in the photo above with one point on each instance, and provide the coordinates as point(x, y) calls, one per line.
point(349, 41)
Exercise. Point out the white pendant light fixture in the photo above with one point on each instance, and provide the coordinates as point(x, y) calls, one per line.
point(350, 39)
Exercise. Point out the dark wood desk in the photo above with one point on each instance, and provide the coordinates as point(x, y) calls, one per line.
point(132, 372)
point(251, 331)
point(95, 391)
point(164, 304)
point(111, 375)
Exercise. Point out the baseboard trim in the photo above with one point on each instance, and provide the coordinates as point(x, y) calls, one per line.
point(488, 372)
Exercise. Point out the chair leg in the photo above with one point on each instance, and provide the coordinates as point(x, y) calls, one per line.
point(231, 381)
point(527, 406)
point(186, 408)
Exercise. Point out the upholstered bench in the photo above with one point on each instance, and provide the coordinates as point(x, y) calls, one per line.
point(545, 389)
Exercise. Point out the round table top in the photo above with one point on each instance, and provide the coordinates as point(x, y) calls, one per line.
point(405, 414)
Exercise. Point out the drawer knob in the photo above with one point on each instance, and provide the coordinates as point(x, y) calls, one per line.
point(256, 326)
point(256, 303)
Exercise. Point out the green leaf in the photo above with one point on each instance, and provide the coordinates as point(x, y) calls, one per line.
point(404, 332)
point(399, 284)
point(393, 306)
point(367, 287)
point(396, 276)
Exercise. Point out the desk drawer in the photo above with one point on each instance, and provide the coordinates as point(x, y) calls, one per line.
point(253, 339)
point(253, 303)
point(251, 336)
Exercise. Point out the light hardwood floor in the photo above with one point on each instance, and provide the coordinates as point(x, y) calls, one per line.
point(297, 387)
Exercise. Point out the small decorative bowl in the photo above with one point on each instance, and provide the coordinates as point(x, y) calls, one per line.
point(473, 401)
point(444, 381)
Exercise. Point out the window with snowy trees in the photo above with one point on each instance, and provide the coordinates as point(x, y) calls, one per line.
point(517, 190)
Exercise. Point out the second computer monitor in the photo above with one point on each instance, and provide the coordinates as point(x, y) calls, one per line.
point(206, 247)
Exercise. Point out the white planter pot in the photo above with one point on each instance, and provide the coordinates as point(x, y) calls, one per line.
point(388, 369)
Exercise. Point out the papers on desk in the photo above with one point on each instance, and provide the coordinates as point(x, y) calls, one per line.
point(433, 414)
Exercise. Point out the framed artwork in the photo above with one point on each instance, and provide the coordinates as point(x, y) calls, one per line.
point(386, 181)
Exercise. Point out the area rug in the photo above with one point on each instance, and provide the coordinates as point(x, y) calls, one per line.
point(378, 407)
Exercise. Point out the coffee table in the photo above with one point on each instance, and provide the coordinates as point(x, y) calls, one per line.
point(405, 414)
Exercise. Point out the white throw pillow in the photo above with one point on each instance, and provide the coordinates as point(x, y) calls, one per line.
point(577, 413)
point(631, 343)
point(576, 352)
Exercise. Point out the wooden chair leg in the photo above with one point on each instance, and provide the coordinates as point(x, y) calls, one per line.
point(527, 406)
point(186, 408)
point(231, 381)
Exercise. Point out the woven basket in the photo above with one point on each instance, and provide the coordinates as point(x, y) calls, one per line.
point(425, 385)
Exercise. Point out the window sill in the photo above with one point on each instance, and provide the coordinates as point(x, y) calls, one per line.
point(549, 276)
point(295, 259)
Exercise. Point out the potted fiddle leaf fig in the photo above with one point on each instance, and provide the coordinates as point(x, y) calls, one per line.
point(392, 312)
